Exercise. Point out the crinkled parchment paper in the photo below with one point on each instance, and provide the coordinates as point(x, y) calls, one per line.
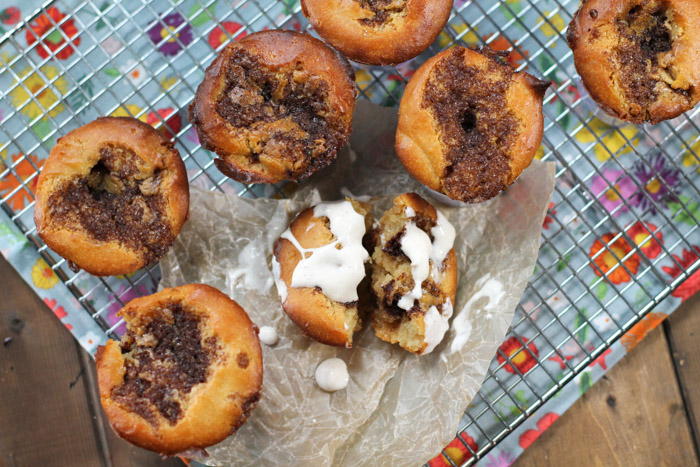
point(398, 409)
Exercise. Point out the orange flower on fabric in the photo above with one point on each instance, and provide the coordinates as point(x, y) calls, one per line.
point(43, 276)
point(518, 356)
point(9, 183)
point(606, 261)
point(57, 38)
point(647, 238)
point(501, 44)
point(456, 451)
point(635, 335)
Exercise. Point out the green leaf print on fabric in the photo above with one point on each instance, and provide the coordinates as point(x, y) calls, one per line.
point(585, 382)
point(199, 16)
point(691, 219)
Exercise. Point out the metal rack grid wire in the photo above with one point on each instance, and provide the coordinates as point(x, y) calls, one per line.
point(115, 36)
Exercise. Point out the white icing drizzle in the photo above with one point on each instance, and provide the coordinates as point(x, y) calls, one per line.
point(409, 211)
point(416, 245)
point(281, 286)
point(268, 335)
point(337, 271)
point(436, 325)
point(487, 288)
point(332, 375)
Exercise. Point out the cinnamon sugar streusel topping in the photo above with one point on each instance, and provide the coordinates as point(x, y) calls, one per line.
point(119, 201)
point(286, 114)
point(477, 130)
point(165, 359)
point(383, 11)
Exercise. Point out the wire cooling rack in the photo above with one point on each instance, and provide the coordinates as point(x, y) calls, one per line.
point(134, 56)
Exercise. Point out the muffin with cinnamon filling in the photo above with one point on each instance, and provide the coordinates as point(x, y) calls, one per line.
point(276, 105)
point(414, 275)
point(187, 373)
point(112, 196)
point(638, 59)
point(378, 32)
point(469, 124)
point(319, 265)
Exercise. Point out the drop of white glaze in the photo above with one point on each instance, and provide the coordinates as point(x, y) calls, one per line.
point(443, 239)
point(268, 335)
point(281, 286)
point(416, 245)
point(337, 271)
point(436, 325)
point(487, 288)
point(409, 211)
point(332, 375)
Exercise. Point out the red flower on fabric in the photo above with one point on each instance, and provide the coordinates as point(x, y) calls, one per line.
point(57, 39)
point(456, 451)
point(10, 15)
point(560, 361)
point(59, 311)
point(691, 284)
point(647, 237)
point(500, 44)
point(172, 119)
point(218, 36)
point(529, 436)
point(518, 356)
point(548, 219)
point(601, 360)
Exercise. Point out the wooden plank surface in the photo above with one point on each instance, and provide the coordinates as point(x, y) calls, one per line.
point(636, 414)
point(49, 407)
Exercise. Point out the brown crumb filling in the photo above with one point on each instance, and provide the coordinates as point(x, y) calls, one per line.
point(166, 359)
point(383, 11)
point(391, 272)
point(286, 112)
point(645, 37)
point(118, 201)
point(477, 130)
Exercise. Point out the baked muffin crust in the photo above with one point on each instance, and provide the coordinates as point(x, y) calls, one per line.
point(469, 124)
point(275, 105)
point(378, 32)
point(638, 58)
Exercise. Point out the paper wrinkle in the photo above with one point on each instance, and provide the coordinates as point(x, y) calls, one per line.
point(398, 408)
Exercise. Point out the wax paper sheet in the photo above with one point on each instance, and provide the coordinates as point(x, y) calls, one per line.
point(398, 408)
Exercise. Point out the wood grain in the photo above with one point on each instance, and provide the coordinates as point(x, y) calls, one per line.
point(633, 416)
point(49, 403)
point(683, 333)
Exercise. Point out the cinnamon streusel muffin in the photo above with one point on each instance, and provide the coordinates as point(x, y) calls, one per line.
point(469, 124)
point(319, 263)
point(414, 274)
point(186, 374)
point(639, 59)
point(378, 32)
point(112, 196)
point(276, 105)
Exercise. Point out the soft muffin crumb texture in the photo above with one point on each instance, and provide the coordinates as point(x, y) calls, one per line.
point(166, 355)
point(119, 200)
point(383, 13)
point(284, 114)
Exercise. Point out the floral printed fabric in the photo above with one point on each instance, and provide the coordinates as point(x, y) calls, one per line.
point(622, 226)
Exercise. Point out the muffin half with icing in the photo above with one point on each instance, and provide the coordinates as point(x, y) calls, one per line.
point(469, 124)
point(414, 274)
point(112, 196)
point(275, 105)
point(319, 263)
point(187, 373)
point(638, 59)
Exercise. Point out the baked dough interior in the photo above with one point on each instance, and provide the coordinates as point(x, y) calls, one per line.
point(393, 279)
point(476, 128)
point(646, 34)
point(283, 113)
point(118, 200)
point(166, 356)
point(382, 14)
